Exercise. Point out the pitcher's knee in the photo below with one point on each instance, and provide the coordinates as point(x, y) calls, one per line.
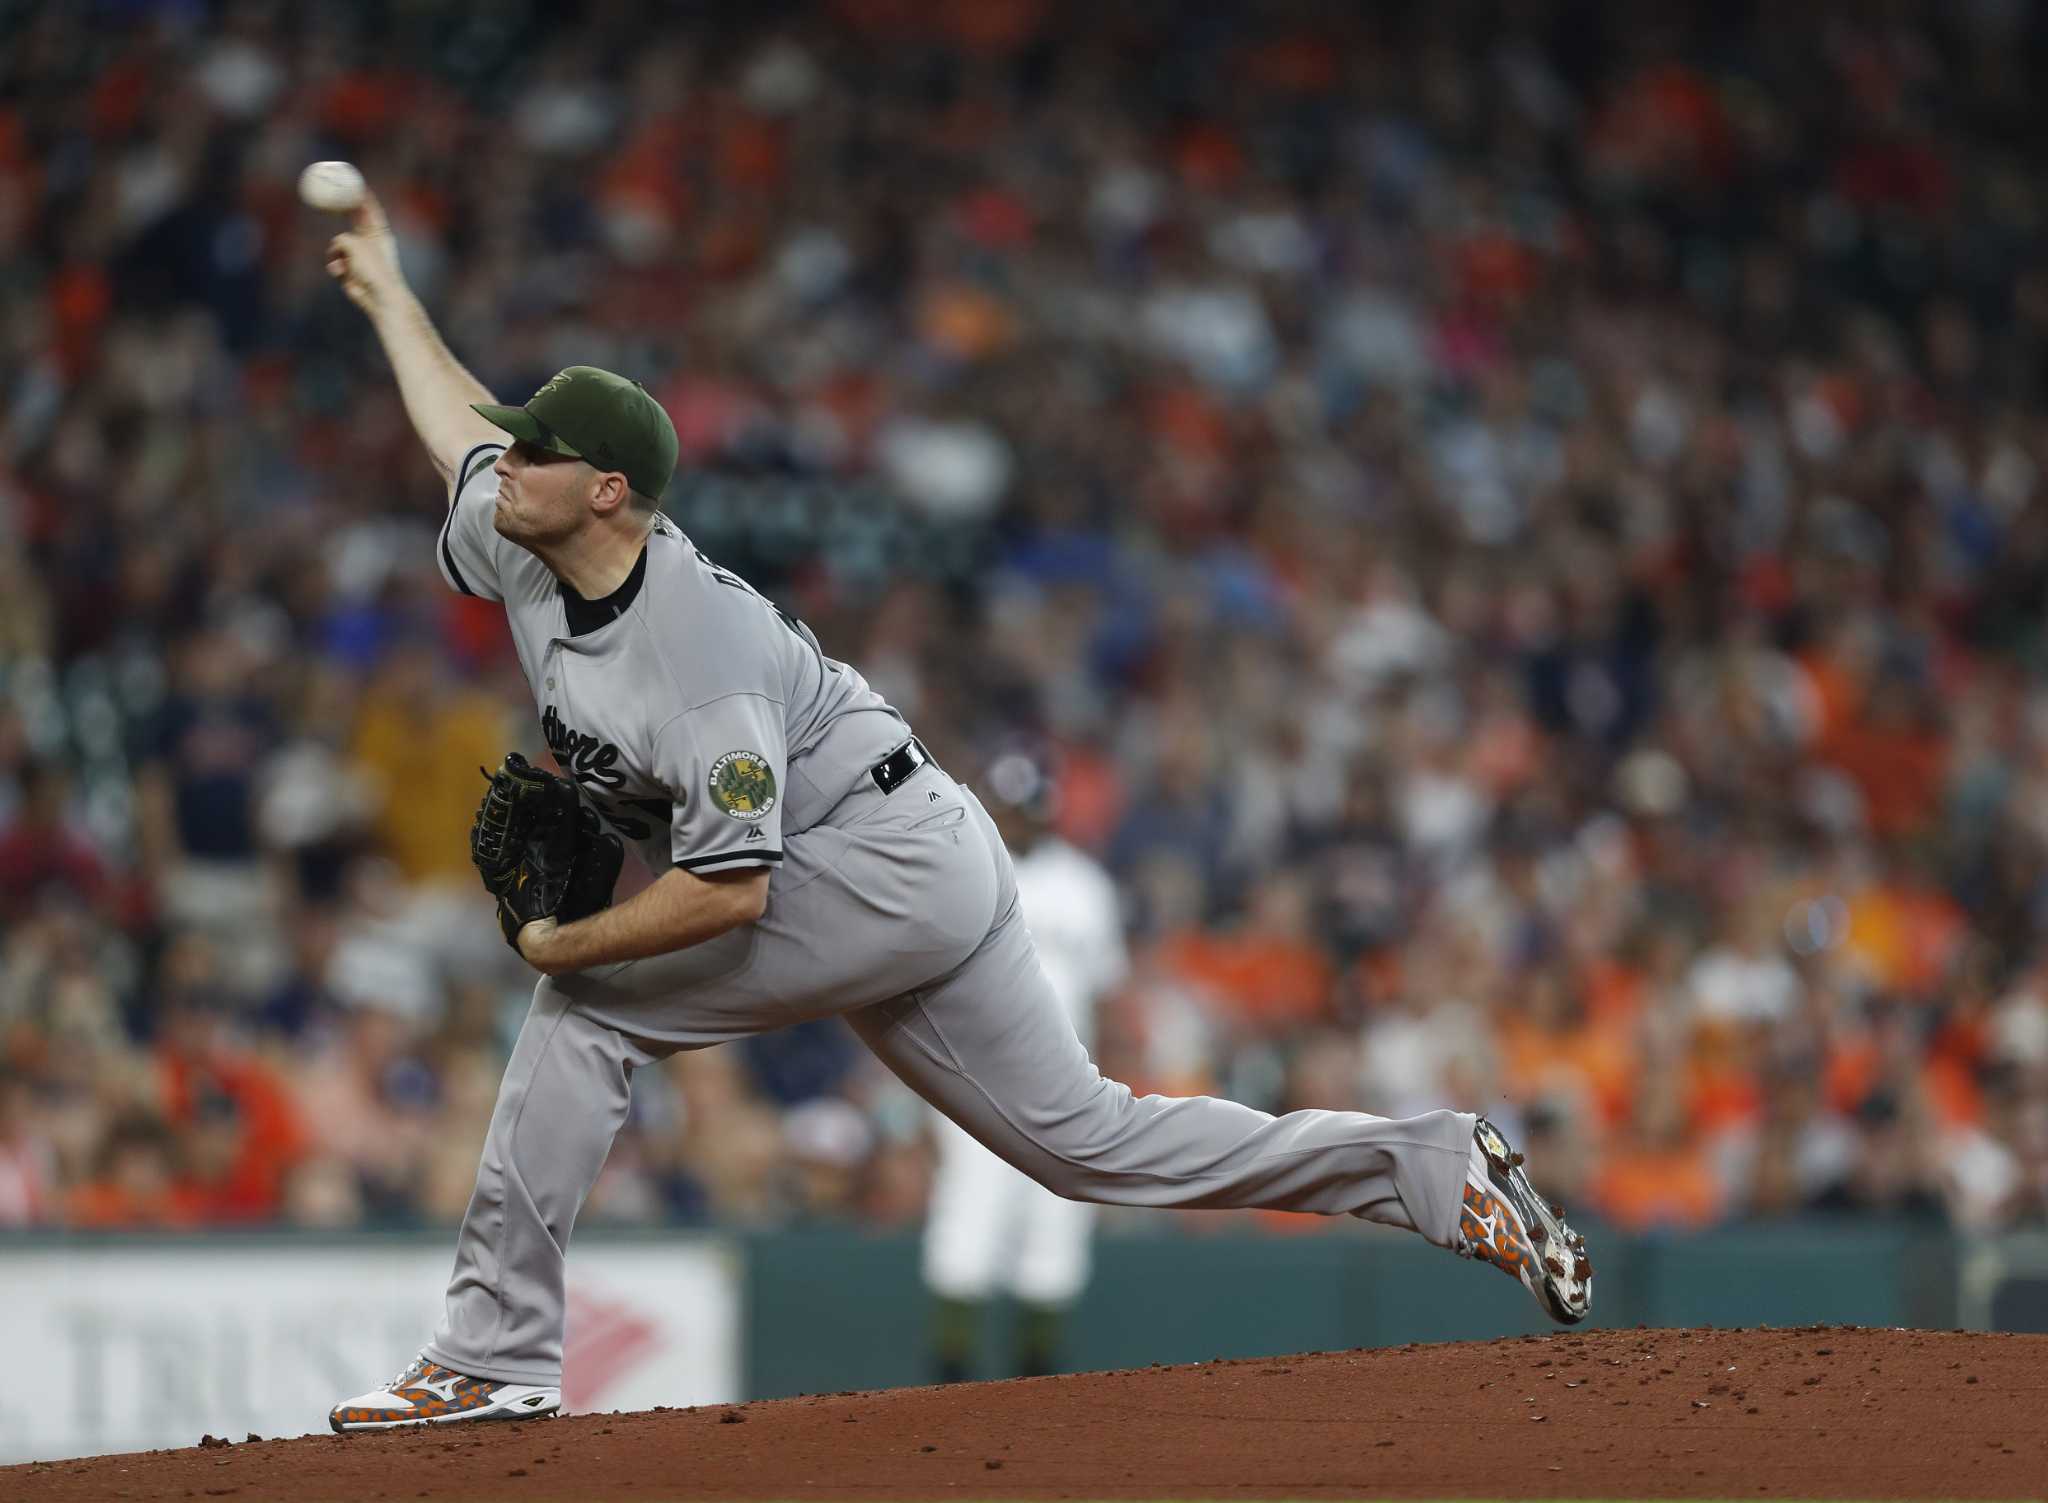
point(1086, 1171)
point(1068, 1180)
point(1083, 1153)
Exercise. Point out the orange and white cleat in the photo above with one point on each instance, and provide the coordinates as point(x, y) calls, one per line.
point(1506, 1223)
point(429, 1394)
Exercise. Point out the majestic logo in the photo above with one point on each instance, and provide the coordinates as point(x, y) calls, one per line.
point(743, 785)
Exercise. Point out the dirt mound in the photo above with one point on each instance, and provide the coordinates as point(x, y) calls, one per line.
point(1811, 1412)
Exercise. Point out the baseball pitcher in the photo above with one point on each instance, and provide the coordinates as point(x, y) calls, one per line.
point(812, 861)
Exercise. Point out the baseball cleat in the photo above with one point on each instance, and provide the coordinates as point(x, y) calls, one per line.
point(1506, 1223)
point(429, 1394)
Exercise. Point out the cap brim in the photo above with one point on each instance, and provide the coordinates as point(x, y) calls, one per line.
point(524, 426)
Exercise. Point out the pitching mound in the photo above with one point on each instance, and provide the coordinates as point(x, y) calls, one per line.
point(1815, 1412)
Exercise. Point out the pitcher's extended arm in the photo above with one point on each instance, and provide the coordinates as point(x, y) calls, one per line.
point(436, 388)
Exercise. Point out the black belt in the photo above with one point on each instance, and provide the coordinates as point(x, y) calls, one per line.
point(890, 772)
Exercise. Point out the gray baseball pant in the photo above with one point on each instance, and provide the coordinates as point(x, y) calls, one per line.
point(901, 915)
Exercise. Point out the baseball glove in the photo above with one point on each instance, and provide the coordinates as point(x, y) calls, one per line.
point(540, 849)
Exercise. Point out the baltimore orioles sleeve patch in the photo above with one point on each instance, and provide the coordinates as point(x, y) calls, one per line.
point(743, 785)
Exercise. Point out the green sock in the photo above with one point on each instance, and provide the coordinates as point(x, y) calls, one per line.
point(1038, 1339)
point(956, 1325)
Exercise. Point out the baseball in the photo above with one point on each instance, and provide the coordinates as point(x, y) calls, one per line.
point(335, 187)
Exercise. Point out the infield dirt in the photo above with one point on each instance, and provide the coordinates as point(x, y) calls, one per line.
point(1808, 1412)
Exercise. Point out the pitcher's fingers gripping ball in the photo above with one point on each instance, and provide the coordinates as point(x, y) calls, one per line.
point(364, 258)
point(540, 849)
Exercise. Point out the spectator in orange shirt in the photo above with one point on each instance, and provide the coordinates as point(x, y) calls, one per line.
point(136, 1184)
point(235, 1110)
point(1904, 932)
point(1550, 1048)
point(1722, 1089)
point(1659, 1176)
point(1269, 972)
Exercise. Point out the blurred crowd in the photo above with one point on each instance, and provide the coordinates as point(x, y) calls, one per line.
point(1522, 522)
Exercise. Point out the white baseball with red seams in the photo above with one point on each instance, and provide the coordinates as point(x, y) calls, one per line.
point(333, 187)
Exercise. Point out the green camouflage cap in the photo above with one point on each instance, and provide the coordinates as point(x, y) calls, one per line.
point(600, 418)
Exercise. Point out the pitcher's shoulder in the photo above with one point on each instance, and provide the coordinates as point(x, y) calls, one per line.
point(697, 583)
point(690, 572)
point(722, 635)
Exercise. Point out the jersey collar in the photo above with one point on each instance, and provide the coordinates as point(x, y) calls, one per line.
point(587, 616)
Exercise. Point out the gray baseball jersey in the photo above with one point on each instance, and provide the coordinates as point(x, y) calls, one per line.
point(702, 723)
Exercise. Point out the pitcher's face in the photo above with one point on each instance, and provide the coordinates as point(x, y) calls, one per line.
point(542, 497)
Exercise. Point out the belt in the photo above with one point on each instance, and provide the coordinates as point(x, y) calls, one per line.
point(890, 773)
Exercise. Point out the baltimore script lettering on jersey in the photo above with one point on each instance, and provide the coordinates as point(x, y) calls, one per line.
point(584, 758)
point(588, 761)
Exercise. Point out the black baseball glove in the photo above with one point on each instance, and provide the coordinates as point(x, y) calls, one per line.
point(540, 848)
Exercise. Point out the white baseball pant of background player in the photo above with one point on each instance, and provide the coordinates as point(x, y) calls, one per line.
point(990, 1229)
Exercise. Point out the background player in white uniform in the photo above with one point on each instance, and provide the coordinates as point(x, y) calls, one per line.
point(991, 1230)
point(810, 861)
